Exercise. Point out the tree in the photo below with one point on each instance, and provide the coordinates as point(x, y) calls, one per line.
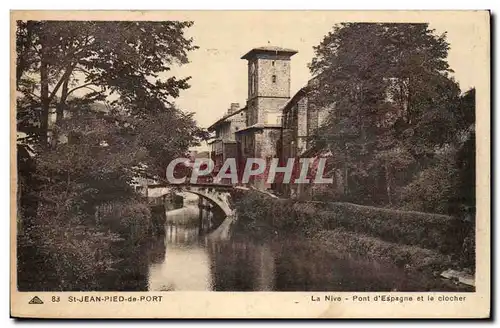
point(167, 136)
point(466, 155)
point(85, 206)
point(121, 64)
point(393, 100)
point(55, 59)
point(77, 193)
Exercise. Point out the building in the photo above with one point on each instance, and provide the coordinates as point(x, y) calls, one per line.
point(301, 119)
point(202, 154)
point(271, 125)
point(275, 125)
point(268, 92)
point(195, 154)
point(224, 144)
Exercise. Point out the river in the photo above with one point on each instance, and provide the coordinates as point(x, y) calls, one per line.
point(186, 260)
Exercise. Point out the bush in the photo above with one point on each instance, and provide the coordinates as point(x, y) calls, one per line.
point(131, 219)
point(255, 213)
point(435, 188)
point(61, 251)
point(64, 257)
point(432, 231)
point(261, 214)
point(410, 257)
point(468, 255)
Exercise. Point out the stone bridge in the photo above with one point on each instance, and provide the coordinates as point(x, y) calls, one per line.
point(217, 194)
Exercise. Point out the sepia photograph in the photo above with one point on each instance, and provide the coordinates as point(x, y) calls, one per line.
point(314, 152)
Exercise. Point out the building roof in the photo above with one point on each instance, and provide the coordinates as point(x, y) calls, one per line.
point(224, 119)
point(298, 95)
point(270, 49)
point(212, 140)
point(221, 140)
point(260, 126)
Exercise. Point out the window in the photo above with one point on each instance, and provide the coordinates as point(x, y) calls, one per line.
point(252, 79)
point(274, 78)
point(273, 63)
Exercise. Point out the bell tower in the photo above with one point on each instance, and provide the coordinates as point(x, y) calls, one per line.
point(268, 92)
point(268, 83)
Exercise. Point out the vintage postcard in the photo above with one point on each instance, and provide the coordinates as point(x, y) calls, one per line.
point(250, 164)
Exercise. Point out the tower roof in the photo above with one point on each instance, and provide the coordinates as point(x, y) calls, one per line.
point(269, 50)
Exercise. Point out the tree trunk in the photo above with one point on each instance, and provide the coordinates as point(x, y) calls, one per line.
point(21, 62)
point(61, 106)
point(62, 103)
point(44, 93)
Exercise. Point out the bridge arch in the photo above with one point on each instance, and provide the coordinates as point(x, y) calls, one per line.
point(217, 195)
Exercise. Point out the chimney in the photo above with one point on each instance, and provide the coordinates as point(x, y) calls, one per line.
point(234, 107)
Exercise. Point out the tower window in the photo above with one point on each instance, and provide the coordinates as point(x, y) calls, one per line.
point(274, 78)
point(273, 63)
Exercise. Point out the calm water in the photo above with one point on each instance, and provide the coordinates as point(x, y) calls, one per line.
point(186, 260)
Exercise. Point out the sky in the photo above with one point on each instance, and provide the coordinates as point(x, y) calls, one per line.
point(219, 76)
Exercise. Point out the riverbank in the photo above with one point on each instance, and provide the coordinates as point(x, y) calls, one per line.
point(420, 243)
point(104, 251)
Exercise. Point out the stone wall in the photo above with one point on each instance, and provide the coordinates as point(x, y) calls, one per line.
point(238, 122)
point(273, 78)
point(252, 112)
point(230, 150)
point(302, 124)
point(270, 109)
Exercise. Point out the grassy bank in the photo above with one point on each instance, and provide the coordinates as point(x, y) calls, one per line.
point(413, 240)
point(407, 256)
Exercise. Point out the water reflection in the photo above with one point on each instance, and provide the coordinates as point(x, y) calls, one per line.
point(186, 260)
point(186, 265)
point(242, 266)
